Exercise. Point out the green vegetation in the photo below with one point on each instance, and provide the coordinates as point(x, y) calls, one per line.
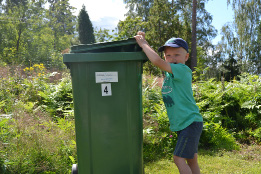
point(37, 127)
point(33, 143)
point(36, 106)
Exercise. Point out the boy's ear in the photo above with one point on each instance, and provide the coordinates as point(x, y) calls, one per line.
point(187, 56)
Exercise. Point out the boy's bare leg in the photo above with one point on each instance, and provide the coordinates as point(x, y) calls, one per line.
point(193, 164)
point(182, 165)
point(191, 167)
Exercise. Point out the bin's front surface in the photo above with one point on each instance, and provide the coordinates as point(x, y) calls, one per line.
point(107, 94)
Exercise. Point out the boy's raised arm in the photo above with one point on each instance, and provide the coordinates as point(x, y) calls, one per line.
point(151, 54)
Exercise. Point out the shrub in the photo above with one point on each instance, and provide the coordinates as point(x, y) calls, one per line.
point(57, 98)
point(216, 137)
point(235, 105)
point(31, 89)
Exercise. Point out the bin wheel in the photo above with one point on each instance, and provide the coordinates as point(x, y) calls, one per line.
point(74, 169)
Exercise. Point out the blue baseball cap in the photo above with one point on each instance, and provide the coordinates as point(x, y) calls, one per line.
point(176, 43)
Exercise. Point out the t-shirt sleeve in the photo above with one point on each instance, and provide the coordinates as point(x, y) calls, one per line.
point(179, 71)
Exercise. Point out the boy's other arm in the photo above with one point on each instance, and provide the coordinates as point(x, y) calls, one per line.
point(151, 54)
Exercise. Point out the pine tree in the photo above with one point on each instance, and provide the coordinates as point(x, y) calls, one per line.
point(85, 28)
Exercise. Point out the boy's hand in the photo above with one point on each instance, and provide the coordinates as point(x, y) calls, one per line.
point(140, 38)
point(141, 33)
point(151, 54)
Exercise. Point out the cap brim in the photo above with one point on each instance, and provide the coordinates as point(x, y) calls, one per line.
point(161, 49)
point(168, 45)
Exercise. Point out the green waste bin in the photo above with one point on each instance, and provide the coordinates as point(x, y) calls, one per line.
point(107, 95)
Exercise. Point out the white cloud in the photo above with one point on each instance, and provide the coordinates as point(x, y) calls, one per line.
point(102, 13)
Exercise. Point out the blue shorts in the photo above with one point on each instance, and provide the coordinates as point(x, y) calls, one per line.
point(188, 139)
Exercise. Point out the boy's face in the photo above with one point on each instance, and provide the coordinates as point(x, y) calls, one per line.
point(175, 55)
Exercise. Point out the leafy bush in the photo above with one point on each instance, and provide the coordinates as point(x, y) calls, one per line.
point(57, 99)
point(235, 105)
point(214, 136)
point(31, 89)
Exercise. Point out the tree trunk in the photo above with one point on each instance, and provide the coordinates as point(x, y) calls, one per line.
point(18, 39)
point(194, 37)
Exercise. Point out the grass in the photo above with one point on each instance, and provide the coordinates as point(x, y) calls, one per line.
point(245, 161)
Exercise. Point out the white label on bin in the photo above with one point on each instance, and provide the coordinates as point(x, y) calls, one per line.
point(106, 89)
point(102, 77)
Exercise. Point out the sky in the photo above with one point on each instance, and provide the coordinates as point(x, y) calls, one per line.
point(107, 13)
point(102, 13)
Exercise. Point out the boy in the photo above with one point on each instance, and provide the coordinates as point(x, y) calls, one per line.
point(183, 113)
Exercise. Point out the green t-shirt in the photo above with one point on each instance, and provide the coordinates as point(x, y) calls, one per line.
point(178, 98)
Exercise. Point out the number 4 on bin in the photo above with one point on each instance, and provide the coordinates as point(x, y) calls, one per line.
point(106, 89)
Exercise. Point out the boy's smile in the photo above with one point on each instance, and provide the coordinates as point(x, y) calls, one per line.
point(175, 55)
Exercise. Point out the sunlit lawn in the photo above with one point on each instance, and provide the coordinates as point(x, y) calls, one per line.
point(246, 161)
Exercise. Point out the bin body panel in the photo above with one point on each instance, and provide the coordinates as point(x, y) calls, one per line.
point(108, 128)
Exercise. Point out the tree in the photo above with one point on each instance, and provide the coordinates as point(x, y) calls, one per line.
point(103, 35)
point(230, 68)
point(194, 36)
point(167, 19)
point(29, 34)
point(10, 4)
point(16, 21)
point(129, 27)
point(62, 22)
point(163, 23)
point(139, 8)
point(247, 20)
point(257, 49)
point(163, 12)
point(85, 28)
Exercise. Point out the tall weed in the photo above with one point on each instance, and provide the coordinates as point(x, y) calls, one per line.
point(33, 143)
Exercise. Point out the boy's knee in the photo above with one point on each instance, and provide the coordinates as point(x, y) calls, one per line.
point(193, 161)
point(178, 160)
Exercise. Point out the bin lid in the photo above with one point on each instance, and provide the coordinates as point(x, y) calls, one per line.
point(129, 45)
point(108, 51)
